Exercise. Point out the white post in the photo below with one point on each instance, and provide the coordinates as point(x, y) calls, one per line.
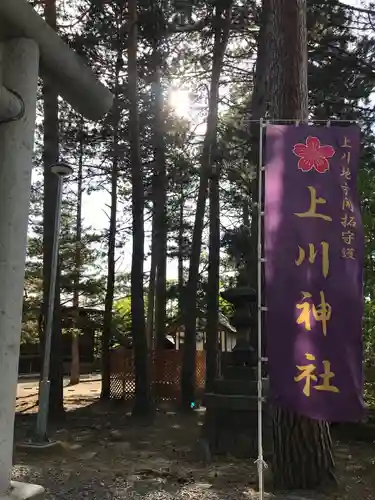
point(260, 461)
point(20, 74)
point(61, 170)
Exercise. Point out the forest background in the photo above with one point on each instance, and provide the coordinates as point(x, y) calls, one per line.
point(192, 179)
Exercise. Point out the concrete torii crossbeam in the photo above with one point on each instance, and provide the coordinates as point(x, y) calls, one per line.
point(27, 45)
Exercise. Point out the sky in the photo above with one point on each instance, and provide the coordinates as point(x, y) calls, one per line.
point(355, 3)
point(95, 207)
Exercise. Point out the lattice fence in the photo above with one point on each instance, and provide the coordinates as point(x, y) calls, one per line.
point(165, 369)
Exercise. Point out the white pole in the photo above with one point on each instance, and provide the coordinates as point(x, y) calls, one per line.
point(60, 170)
point(20, 74)
point(44, 386)
point(260, 461)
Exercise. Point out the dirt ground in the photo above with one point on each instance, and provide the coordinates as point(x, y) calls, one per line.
point(106, 454)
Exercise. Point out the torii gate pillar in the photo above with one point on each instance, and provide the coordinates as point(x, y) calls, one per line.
point(20, 73)
point(27, 43)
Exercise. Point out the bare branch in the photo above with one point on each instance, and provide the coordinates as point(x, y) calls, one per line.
point(358, 9)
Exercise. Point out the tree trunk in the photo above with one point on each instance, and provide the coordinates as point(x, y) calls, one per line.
point(142, 382)
point(212, 329)
point(181, 283)
point(302, 457)
point(245, 213)
point(75, 363)
point(151, 297)
point(160, 209)
point(188, 364)
point(188, 379)
point(110, 289)
point(51, 156)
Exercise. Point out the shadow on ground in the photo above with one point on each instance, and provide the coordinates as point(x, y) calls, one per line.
point(107, 454)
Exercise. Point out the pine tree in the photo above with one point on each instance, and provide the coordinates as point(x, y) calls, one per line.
point(207, 159)
point(143, 400)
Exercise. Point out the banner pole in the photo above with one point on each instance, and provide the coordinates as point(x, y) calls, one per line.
point(260, 461)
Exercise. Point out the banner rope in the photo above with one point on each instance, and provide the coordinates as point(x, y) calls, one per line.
point(261, 464)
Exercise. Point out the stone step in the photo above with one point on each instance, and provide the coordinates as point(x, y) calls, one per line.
point(233, 402)
point(239, 372)
point(245, 372)
point(239, 386)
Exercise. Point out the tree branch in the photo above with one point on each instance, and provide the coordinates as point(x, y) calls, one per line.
point(357, 9)
point(188, 28)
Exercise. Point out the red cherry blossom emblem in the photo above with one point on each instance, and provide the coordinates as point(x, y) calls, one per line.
point(313, 155)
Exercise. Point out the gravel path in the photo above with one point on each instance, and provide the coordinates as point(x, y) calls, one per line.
point(107, 455)
point(75, 485)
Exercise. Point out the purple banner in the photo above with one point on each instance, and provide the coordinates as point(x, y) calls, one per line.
point(314, 262)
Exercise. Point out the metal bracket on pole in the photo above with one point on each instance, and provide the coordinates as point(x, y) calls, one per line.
point(12, 107)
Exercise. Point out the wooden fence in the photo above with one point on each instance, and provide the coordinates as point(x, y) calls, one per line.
point(165, 370)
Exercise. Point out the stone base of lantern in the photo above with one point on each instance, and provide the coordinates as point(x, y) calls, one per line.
point(231, 419)
point(231, 432)
point(23, 491)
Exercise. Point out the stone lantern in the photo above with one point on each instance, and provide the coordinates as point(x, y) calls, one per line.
point(230, 425)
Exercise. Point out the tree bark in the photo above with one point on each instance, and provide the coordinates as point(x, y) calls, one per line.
point(245, 213)
point(160, 208)
point(151, 297)
point(302, 457)
point(181, 282)
point(212, 330)
point(75, 363)
point(213, 281)
point(142, 404)
point(221, 29)
point(51, 156)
